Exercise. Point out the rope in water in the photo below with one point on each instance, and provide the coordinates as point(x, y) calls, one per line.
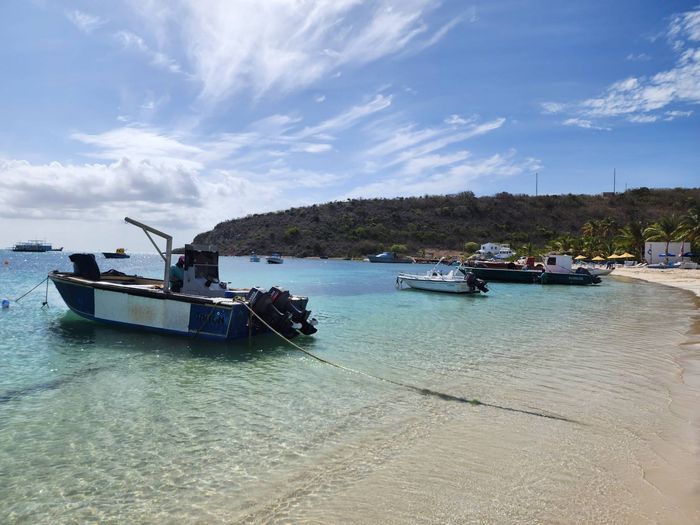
point(420, 390)
point(45, 280)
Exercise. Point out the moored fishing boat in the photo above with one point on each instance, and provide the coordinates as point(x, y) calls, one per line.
point(458, 280)
point(254, 257)
point(198, 305)
point(558, 270)
point(507, 272)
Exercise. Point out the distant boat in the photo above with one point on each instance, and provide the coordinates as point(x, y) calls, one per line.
point(275, 258)
point(390, 257)
point(254, 257)
point(119, 253)
point(35, 246)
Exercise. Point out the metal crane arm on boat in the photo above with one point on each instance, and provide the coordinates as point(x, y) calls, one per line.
point(168, 248)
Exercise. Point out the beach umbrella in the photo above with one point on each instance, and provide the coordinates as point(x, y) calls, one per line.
point(597, 258)
point(580, 257)
point(613, 256)
point(626, 255)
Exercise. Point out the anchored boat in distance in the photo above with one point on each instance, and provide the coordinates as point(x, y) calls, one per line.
point(190, 301)
point(35, 246)
point(119, 253)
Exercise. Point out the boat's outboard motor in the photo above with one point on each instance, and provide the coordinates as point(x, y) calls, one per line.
point(276, 309)
point(85, 266)
point(481, 285)
point(300, 316)
point(594, 278)
point(475, 283)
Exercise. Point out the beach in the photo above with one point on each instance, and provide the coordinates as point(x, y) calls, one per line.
point(684, 279)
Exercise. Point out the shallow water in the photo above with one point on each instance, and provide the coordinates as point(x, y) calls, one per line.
point(100, 424)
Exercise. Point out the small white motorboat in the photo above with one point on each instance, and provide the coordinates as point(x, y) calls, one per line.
point(459, 280)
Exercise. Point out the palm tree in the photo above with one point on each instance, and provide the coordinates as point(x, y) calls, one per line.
point(689, 229)
point(665, 230)
point(590, 228)
point(606, 227)
point(631, 238)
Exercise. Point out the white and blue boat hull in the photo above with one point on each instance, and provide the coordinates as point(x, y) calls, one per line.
point(147, 307)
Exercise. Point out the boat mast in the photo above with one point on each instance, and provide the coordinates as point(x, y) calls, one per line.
point(168, 248)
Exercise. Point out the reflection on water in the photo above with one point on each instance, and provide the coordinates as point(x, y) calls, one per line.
point(133, 427)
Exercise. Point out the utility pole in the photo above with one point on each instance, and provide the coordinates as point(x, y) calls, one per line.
point(536, 182)
point(614, 180)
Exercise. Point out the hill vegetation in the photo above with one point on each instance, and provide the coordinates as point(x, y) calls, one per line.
point(429, 224)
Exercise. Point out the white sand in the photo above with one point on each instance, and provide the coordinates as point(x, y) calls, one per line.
point(685, 279)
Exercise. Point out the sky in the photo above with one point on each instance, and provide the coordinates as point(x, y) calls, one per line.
point(186, 113)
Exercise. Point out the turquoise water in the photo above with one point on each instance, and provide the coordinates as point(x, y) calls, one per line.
point(99, 424)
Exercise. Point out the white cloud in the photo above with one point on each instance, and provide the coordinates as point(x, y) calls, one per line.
point(84, 21)
point(455, 179)
point(647, 99)
point(455, 120)
point(142, 143)
point(158, 59)
point(553, 107)
point(255, 47)
point(643, 118)
point(672, 115)
point(583, 123)
point(638, 57)
point(80, 191)
point(347, 118)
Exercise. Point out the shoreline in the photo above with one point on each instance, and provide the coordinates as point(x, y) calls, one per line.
point(683, 279)
point(683, 453)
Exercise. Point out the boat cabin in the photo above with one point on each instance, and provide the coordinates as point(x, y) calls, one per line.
point(558, 263)
point(202, 271)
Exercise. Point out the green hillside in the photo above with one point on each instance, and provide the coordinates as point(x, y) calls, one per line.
point(358, 227)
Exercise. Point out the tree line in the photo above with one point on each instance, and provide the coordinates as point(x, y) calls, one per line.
point(433, 223)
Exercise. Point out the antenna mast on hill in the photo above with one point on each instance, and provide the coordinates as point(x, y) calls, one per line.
point(614, 180)
point(536, 181)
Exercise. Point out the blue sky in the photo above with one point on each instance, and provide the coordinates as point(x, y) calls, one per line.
point(186, 113)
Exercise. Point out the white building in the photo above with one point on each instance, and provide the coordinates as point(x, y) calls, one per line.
point(496, 251)
point(655, 252)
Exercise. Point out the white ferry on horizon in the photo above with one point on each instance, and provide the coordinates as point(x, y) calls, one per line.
point(35, 246)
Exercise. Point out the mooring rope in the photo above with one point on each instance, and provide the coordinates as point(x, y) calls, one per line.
point(420, 390)
point(46, 279)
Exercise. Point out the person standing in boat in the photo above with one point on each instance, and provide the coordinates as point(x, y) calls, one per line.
point(177, 274)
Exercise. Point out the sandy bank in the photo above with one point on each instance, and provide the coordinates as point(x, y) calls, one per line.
point(685, 279)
